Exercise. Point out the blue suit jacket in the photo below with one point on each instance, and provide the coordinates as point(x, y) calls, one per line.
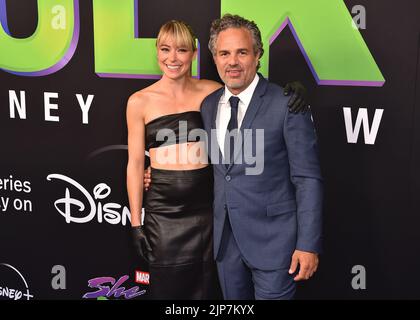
point(279, 210)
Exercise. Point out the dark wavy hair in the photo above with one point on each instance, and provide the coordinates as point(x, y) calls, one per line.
point(235, 21)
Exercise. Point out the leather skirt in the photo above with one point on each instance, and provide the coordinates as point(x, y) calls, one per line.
point(178, 223)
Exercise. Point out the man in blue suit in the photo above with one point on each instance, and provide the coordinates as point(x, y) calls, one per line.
point(267, 214)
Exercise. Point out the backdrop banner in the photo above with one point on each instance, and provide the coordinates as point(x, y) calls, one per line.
point(67, 70)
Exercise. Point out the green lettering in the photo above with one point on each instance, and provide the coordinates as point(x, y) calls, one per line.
point(335, 51)
point(49, 48)
point(118, 53)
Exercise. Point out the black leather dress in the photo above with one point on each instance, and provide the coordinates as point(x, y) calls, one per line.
point(178, 221)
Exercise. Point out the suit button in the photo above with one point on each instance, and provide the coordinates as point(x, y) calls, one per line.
point(228, 178)
point(225, 207)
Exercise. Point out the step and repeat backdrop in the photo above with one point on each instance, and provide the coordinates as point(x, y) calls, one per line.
point(67, 70)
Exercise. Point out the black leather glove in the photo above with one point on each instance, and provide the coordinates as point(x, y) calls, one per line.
point(141, 244)
point(297, 102)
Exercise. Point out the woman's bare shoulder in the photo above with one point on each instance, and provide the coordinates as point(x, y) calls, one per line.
point(137, 103)
point(143, 97)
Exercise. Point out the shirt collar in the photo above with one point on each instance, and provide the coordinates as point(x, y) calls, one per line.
point(246, 95)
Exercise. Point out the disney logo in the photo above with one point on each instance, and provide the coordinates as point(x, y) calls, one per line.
point(113, 213)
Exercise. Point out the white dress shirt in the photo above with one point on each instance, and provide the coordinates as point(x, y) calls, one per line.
point(223, 110)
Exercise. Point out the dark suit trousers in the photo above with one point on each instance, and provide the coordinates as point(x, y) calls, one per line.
point(240, 281)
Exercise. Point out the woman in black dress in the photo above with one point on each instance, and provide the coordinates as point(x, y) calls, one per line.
point(176, 237)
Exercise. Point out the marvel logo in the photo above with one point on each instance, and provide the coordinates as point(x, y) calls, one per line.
point(142, 277)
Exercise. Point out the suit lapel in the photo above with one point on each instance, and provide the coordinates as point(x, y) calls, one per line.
point(215, 104)
point(251, 112)
point(255, 103)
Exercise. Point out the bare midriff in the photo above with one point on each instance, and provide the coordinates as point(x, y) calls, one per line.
point(182, 156)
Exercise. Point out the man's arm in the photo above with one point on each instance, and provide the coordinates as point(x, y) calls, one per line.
point(305, 174)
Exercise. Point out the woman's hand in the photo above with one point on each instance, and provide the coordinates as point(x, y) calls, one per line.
point(147, 180)
point(141, 244)
point(297, 102)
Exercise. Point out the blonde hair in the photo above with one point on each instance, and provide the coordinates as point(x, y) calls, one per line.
point(181, 33)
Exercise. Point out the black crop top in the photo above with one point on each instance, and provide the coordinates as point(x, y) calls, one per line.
point(169, 126)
